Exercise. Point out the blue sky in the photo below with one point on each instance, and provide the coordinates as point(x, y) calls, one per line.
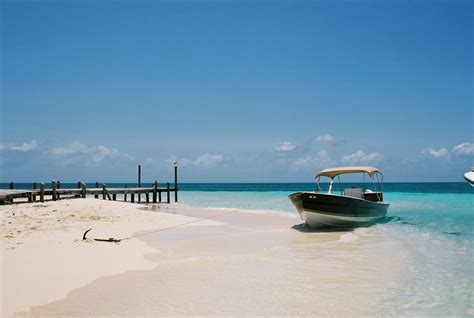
point(236, 91)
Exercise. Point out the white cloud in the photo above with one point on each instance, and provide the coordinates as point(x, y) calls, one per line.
point(312, 161)
point(95, 153)
point(208, 160)
point(73, 148)
point(466, 148)
point(361, 157)
point(24, 147)
point(285, 146)
point(325, 139)
point(202, 161)
point(435, 153)
point(102, 152)
point(463, 149)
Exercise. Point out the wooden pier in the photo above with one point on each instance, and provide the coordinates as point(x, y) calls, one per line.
point(152, 194)
point(38, 192)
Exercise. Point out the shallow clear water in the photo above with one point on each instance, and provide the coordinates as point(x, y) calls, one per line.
point(435, 230)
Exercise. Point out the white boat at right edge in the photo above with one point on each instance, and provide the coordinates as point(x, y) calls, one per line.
point(469, 177)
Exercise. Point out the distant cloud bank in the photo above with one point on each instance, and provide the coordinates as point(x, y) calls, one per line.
point(284, 158)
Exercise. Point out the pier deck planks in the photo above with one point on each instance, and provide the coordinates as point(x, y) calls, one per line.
point(7, 195)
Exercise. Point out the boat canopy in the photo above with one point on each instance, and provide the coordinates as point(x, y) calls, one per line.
point(333, 172)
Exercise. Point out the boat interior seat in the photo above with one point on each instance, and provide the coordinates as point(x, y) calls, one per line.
point(354, 192)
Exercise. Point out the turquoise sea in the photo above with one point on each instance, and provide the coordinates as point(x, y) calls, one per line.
point(430, 224)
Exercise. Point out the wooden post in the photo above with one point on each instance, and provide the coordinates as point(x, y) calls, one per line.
point(34, 188)
point(125, 195)
point(104, 188)
point(139, 181)
point(114, 196)
point(58, 186)
point(168, 192)
point(11, 186)
point(147, 196)
point(155, 186)
point(53, 187)
point(175, 181)
point(139, 176)
point(159, 196)
point(103, 191)
point(133, 197)
point(96, 185)
point(42, 191)
point(83, 186)
point(78, 186)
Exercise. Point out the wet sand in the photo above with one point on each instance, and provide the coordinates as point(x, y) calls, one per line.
point(244, 264)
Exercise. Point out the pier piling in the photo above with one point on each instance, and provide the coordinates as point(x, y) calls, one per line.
point(79, 187)
point(175, 181)
point(53, 187)
point(139, 181)
point(155, 188)
point(42, 191)
point(84, 189)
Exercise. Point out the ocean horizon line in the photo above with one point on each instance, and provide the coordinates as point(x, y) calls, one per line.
point(275, 182)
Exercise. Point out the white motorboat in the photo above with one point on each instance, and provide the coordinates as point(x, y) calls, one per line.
point(350, 208)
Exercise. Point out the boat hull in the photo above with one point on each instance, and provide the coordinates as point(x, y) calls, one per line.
point(469, 177)
point(320, 210)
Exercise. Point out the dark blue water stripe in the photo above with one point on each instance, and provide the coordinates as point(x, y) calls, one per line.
point(412, 187)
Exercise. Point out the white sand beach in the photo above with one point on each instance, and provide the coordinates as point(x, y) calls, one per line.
point(235, 264)
point(44, 257)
